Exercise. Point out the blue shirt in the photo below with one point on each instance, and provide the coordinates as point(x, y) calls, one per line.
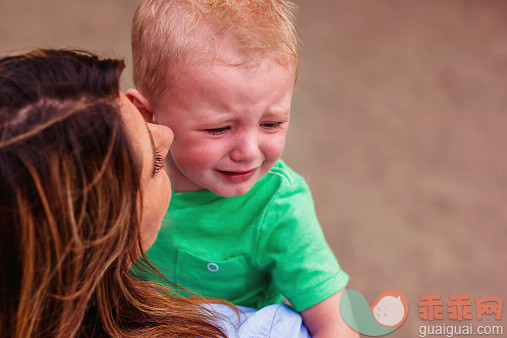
point(276, 320)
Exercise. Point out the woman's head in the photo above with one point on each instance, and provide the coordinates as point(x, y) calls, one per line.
point(151, 144)
point(82, 194)
point(68, 180)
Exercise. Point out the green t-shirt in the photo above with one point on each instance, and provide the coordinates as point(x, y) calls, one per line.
point(250, 249)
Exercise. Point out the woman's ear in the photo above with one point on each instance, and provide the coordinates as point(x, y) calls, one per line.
point(141, 103)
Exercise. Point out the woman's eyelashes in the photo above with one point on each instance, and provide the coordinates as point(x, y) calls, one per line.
point(271, 125)
point(159, 163)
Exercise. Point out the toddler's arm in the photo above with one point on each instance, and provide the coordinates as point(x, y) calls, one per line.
point(324, 319)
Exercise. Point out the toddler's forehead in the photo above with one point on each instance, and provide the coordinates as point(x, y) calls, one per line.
point(202, 88)
point(242, 63)
point(221, 74)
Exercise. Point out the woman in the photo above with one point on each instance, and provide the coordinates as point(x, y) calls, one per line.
point(79, 184)
point(82, 194)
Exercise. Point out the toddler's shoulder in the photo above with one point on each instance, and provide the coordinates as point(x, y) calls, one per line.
point(283, 181)
point(284, 176)
point(280, 185)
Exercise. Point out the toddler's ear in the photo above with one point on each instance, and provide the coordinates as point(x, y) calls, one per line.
point(141, 103)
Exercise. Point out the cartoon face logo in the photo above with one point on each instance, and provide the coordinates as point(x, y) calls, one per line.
point(385, 315)
point(390, 308)
point(389, 311)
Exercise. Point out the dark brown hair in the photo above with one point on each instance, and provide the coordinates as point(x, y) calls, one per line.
point(69, 219)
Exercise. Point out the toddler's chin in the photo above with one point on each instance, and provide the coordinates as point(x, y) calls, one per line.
point(232, 191)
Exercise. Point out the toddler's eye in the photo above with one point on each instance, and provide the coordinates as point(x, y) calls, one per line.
point(271, 125)
point(217, 131)
point(159, 163)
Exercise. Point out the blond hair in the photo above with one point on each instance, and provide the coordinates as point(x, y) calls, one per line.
point(166, 33)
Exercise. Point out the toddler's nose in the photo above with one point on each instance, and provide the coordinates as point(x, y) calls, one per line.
point(246, 149)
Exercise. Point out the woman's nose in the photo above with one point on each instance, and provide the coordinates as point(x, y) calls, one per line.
point(162, 136)
point(169, 136)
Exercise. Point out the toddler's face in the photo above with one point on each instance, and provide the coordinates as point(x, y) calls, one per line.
point(229, 125)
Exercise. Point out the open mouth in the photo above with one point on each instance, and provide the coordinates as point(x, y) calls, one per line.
point(236, 176)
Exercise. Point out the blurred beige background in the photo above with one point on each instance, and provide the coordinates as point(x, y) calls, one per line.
point(399, 124)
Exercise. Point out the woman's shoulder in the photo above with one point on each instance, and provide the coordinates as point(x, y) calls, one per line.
point(277, 320)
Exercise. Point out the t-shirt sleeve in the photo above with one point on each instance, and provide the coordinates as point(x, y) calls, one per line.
point(292, 247)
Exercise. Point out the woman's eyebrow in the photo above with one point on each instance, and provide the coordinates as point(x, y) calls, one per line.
point(153, 149)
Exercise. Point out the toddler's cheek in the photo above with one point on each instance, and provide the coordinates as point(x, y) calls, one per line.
point(273, 150)
point(187, 155)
